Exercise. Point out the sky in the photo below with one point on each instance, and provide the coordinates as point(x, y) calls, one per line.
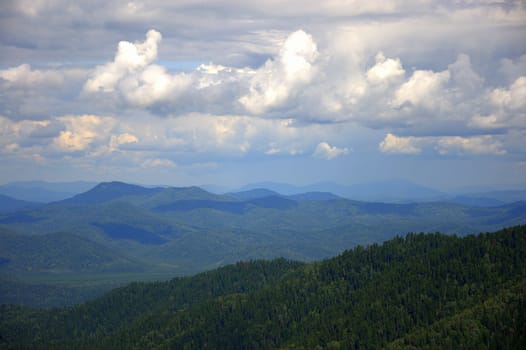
point(233, 92)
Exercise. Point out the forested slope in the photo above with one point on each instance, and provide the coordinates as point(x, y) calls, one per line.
point(423, 290)
point(116, 233)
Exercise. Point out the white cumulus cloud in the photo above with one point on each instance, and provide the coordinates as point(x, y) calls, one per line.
point(484, 144)
point(422, 89)
point(134, 75)
point(385, 70)
point(279, 79)
point(397, 144)
point(27, 77)
point(444, 145)
point(82, 131)
point(158, 163)
point(130, 58)
point(513, 98)
point(326, 151)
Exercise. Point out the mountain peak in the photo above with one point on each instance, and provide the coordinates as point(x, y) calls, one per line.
point(253, 194)
point(107, 191)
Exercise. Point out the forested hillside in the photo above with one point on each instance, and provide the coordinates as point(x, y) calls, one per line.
point(418, 291)
point(116, 233)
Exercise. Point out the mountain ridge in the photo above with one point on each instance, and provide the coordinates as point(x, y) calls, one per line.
point(393, 191)
point(180, 231)
point(108, 191)
point(8, 204)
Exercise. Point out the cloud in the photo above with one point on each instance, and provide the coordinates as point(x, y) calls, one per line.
point(506, 110)
point(130, 58)
point(467, 83)
point(397, 144)
point(156, 163)
point(513, 68)
point(278, 80)
point(30, 93)
point(385, 70)
point(471, 145)
point(116, 141)
point(486, 122)
point(332, 84)
point(326, 151)
point(422, 89)
point(15, 136)
point(186, 137)
point(81, 132)
point(134, 77)
point(197, 134)
point(24, 76)
point(513, 98)
point(455, 145)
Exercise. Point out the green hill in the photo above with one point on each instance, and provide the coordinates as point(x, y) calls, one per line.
point(420, 291)
point(58, 252)
point(171, 232)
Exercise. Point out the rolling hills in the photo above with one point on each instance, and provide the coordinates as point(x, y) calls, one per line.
point(158, 233)
point(419, 291)
point(61, 252)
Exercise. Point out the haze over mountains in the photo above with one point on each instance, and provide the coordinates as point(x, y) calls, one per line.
point(394, 191)
point(159, 232)
point(44, 192)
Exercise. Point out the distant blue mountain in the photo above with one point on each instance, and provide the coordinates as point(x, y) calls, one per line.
point(393, 191)
point(314, 196)
point(185, 230)
point(277, 187)
point(8, 204)
point(252, 194)
point(44, 192)
point(500, 196)
point(263, 192)
point(107, 191)
point(235, 207)
point(476, 201)
point(273, 202)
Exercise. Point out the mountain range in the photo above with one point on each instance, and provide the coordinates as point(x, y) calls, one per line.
point(123, 232)
point(398, 191)
point(393, 191)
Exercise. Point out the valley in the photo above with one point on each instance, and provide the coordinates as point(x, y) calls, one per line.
point(116, 233)
point(417, 291)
